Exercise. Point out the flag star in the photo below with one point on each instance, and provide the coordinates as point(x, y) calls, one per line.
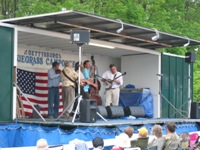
point(26, 81)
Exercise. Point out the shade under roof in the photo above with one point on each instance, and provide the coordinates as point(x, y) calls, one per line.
point(102, 29)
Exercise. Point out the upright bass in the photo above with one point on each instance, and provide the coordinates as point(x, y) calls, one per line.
point(94, 91)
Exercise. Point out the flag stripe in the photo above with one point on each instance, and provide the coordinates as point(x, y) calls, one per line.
point(41, 78)
point(41, 88)
point(41, 81)
point(43, 95)
point(38, 98)
point(36, 101)
point(45, 91)
point(44, 74)
point(45, 88)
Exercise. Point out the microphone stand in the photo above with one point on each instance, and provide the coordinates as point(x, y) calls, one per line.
point(79, 84)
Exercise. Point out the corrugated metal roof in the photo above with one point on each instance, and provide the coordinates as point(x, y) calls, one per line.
point(102, 29)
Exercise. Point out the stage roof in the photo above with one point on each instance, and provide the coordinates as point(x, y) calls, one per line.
point(103, 29)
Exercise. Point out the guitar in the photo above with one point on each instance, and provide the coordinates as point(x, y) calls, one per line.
point(110, 82)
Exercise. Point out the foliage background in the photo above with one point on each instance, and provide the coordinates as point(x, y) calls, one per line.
point(174, 16)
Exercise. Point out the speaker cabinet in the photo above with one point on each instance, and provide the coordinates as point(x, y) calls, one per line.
point(195, 110)
point(88, 110)
point(80, 36)
point(135, 111)
point(102, 111)
point(190, 57)
point(115, 111)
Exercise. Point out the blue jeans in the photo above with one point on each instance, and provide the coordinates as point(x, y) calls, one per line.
point(53, 101)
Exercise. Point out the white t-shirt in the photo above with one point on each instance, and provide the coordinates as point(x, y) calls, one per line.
point(110, 76)
point(151, 138)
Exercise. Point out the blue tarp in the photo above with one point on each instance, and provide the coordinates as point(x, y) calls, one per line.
point(19, 135)
point(144, 99)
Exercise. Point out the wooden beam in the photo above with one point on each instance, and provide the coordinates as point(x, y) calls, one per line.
point(114, 34)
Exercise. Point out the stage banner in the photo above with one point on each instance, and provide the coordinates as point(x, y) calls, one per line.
point(35, 58)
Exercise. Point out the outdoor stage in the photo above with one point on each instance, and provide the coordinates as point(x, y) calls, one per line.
point(61, 132)
point(109, 123)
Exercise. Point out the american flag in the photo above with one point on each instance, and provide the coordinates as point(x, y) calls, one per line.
point(34, 86)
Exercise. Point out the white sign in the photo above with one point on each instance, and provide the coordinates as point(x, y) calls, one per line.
point(35, 58)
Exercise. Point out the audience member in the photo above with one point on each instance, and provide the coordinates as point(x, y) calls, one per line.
point(122, 142)
point(129, 131)
point(193, 139)
point(143, 132)
point(157, 138)
point(77, 144)
point(42, 144)
point(184, 140)
point(171, 135)
point(98, 143)
point(142, 140)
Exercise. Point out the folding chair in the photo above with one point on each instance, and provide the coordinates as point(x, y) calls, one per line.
point(140, 142)
point(151, 148)
point(56, 147)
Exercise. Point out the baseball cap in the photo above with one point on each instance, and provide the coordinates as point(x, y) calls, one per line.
point(143, 131)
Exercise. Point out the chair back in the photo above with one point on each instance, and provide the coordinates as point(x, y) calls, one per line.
point(140, 142)
point(173, 145)
point(152, 148)
point(56, 147)
point(133, 143)
point(159, 143)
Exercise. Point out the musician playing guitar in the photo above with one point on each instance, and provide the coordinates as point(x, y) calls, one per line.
point(84, 82)
point(113, 80)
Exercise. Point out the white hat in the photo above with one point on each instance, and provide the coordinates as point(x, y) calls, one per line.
point(123, 141)
point(42, 144)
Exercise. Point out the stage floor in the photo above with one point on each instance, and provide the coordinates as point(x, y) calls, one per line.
point(109, 123)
